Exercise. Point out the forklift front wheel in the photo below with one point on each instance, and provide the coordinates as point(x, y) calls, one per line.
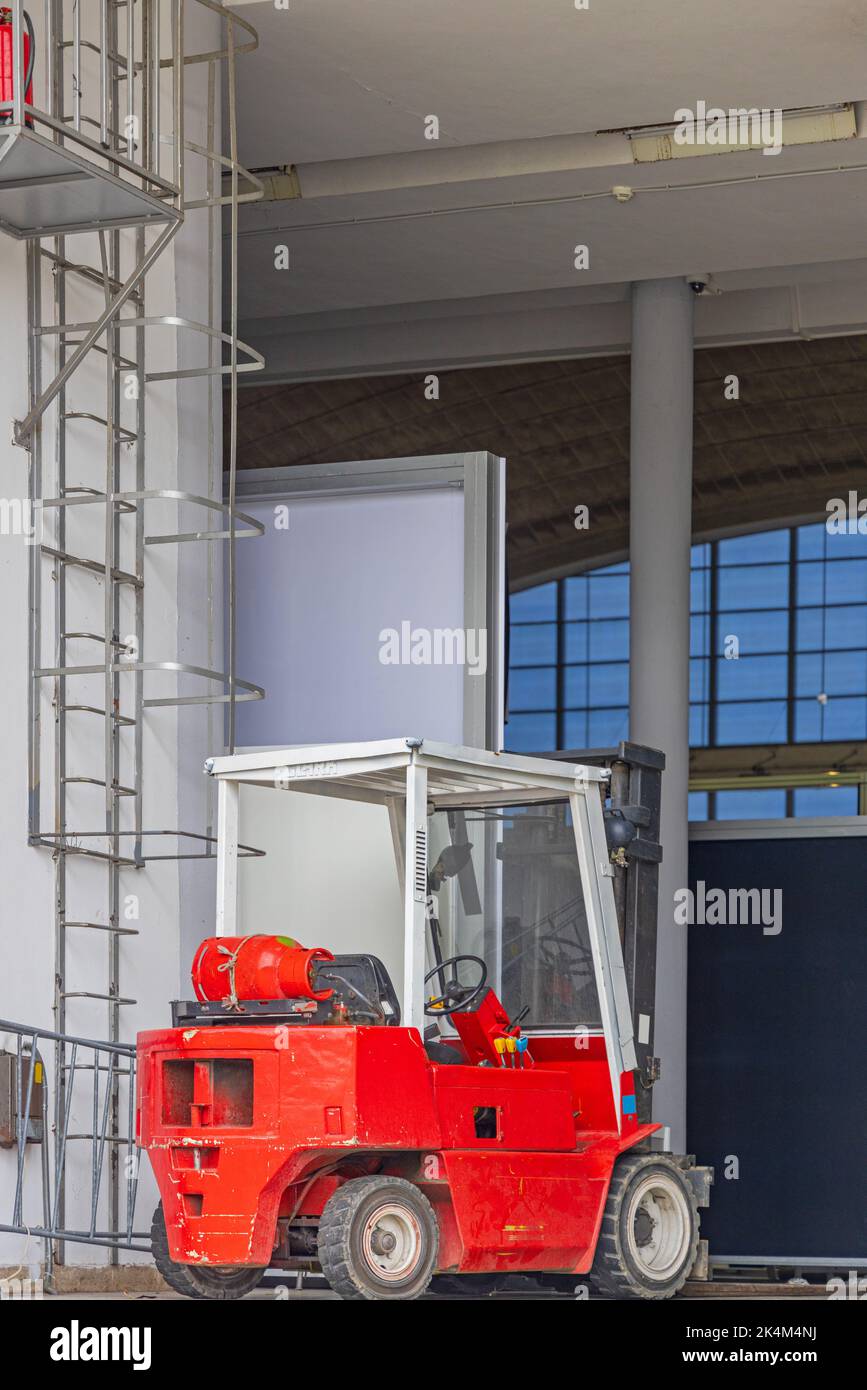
point(649, 1237)
point(378, 1239)
point(199, 1281)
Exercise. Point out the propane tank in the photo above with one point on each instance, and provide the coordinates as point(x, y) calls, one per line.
point(256, 967)
point(7, 62)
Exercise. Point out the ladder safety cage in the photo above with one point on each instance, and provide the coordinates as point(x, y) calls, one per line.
point(98, 177)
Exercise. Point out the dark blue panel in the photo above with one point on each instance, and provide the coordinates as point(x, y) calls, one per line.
point(775, 1055)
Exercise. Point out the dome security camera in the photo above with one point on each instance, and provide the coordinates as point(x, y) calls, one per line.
point(698, 283)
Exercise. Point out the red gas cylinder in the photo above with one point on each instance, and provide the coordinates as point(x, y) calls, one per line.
point(7, 67)
point(256, 967)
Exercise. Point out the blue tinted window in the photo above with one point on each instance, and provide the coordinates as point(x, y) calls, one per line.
point(826, 801)
point(698, 806)
point(751, 804)
point(747, 594)
point(534, 605)
point(533, 644)
point(760, 548)
point(755, 721)
point(755, 632)
point(533, 687)
point(753, 586)
point(532, 733)
point(751, 677)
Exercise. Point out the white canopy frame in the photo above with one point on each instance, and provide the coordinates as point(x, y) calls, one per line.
point(413, 778)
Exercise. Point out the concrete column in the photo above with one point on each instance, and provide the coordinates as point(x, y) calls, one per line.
point(660, 533)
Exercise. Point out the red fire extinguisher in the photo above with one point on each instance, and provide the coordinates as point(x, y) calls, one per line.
point(7, 62)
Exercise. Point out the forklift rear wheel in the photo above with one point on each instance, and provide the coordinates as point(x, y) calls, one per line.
point(649, 1237)
point(378, 1238)
point(197, 1281)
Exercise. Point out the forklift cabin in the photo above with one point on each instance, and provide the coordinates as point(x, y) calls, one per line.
point(389, 1141)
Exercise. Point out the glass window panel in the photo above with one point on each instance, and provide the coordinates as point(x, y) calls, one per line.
point(842, 717)
point(607, 726)
point(576, 641)
point(609, 595)
point(576, 730)
point(533, 645)
point(762, 546)
point(756, 632)
point(758, 721)
point(753, 586)
point(699, 678)
point(576, 597)
point(808, 674)
point(531, 733)
point(811, 541)
point(843, 581)
point(826, 801)
point(751, 677)
point(809, 630)
point(845, 673)
point(700, 555)
point(698, 806)
point(699, 634)
point(609, 684)
point(533, 687)
point(846, 627)
point(699, 591)
point(699, 721)
point(808, 721)
point(842, 544)
point(609, 641)
point(751, 804)
point(576, 686)
point(534, 605)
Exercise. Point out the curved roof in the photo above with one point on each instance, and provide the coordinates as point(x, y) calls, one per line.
point(796, 437)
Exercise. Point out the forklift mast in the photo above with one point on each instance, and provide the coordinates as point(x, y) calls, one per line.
point(635, 791)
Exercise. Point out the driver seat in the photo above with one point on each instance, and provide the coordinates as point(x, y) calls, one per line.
point(444, 1055)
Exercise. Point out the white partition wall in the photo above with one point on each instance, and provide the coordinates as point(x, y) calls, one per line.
point(353, 552)
point(350, 552)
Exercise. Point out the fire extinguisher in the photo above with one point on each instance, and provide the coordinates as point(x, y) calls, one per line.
point(7, 63)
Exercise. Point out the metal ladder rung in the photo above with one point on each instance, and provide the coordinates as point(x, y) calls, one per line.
point(94, 709)
point(95, 637)
point(105, 1138)
point(103, 926)
point(121, 860)
point(90, 272)
point(120, 360)
point(89, 994)
point(121, 431)
point(93, 566)
point(115, 787)
point(79, 489)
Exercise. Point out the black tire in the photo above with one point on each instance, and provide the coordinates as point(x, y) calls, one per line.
point(199, 1281)
point(649, 1237)
point(364, 1210)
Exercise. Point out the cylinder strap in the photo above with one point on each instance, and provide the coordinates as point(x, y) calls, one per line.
point(231, 999)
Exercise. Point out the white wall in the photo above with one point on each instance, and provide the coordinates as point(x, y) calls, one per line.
point(329, 877)
point(181, 623)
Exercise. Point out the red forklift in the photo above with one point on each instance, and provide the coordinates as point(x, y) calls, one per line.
point(487, 1120)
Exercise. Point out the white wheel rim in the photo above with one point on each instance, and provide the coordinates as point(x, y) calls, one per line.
point(658, 1227)
point(391, 1241)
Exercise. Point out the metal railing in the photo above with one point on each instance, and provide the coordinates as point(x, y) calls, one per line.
point(92, 1074)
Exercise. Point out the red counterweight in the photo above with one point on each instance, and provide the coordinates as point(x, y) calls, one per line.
point(7, 62)
point(256, 967)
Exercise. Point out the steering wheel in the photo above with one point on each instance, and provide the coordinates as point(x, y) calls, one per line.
point(455, 997)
